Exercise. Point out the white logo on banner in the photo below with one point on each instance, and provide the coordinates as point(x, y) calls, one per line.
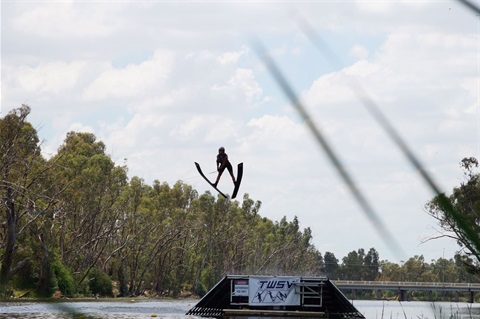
point(273, 291)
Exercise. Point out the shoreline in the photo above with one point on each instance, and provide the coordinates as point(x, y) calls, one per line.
point(99, 299)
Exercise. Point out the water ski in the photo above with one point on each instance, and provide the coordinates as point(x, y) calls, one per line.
point(239, 180)
point(211, 184)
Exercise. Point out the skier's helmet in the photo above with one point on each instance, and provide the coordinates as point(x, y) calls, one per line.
point(221, 149)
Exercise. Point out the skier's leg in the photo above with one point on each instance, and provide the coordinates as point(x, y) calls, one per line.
point(230, 170)
point(220, 172)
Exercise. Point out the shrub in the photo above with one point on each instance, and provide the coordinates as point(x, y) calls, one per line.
point(100, 283)
point(200, 290)
point(65, 280)
point(47, 283)
point(26, 278)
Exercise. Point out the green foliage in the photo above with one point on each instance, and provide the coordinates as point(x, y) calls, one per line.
point(372, 265)
point(100, 283)
point(47, 282)
point(200, 290)
point(51, 276)
point(459, 214)
point(22, 172)
point(208, 278)
point(65, 279)
point(352, 266)
point(332, 268)
point(26, 278)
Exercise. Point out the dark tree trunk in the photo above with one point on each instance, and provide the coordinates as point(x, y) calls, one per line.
point(9, 239)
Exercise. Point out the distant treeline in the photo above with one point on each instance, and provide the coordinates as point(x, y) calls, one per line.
point(76, 224)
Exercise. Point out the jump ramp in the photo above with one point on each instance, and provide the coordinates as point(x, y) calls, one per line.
point(262, 296)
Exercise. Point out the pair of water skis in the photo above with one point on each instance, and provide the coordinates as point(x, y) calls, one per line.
point(236, 185)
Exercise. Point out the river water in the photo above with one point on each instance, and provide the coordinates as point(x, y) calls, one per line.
point(177, 309)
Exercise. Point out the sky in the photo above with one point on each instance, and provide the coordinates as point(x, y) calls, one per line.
point(164, 84)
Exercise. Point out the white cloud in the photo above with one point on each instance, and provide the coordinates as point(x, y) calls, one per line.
point(141, 131)
point(274, 127)
point(66, 18)
point(362, 69)
point(426, 51)
point(242, 84)
point(204, 128)
point(472, 87)
point(232, 57)
point(166, 99)
point(133, 79)
point(223, 129)
point(328, 89)
point(359, 52)
point(191, 126)
point(382, 7)
point(49, 77)
point(79, 127)
point(276, 135)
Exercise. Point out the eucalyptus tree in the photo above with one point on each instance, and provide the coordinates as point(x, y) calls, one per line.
point(220, 227)
point(372, 264)
point(464, 226)
point(281, 248)
point(240, 233)
point(286, 245)
point(416, 269)
point(332, 267)
point(257, 235)
point(134, 234)
point(352, 265)
point(444, 270)
point(465, 274)
point(89, 216)
point(172, 267)
point(208, 228)
point(299, 255)
point(155, 232)
point(390, 271)
point(24, 195)
point(263, 247)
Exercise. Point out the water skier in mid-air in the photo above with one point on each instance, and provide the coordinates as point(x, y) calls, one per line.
point(222, 163)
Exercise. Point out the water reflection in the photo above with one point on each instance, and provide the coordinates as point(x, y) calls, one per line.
point(97, 309)
point(177, 310)
point(418, 310)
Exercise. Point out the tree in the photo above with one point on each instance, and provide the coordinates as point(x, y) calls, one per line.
point(371, 263)
point(390, 271)
point(461, 223)
point(24, 196)
point(415, 269)
point(352, 265)
point(443, 270)
point(332, 268)
point(89, 213)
